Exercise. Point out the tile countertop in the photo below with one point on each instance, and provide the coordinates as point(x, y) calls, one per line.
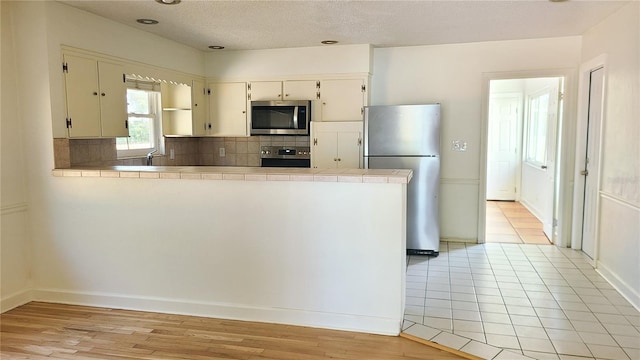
point(395, 176)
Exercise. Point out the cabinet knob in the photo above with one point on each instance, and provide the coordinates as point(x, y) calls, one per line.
point(244, 112)
point(339, 159)
point(95, 93)
point(286, 94)
point(103, 94)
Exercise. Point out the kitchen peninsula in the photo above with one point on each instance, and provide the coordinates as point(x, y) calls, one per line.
point(320, 248)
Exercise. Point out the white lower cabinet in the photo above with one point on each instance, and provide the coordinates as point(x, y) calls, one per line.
point(336, 145)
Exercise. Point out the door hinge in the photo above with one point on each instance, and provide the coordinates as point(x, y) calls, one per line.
point(318, 95)
point(317, 84)
point(555, 222)
point(124, 79)
point(69, 125)
point(361, 111)
point(208, 91)
point(249, 96)
point(249, 86)
point(364, 88)
point(561, 96)
point(359, 141)
point(126, 124)
point(315, 141)
point(65, 67)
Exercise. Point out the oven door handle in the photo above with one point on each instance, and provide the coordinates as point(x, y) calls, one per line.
point(295, 117)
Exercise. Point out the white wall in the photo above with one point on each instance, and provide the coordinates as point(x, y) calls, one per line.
point(283, 63)
point(619, 229)
point(32, 83)
point(452, 75)
point(15, 249)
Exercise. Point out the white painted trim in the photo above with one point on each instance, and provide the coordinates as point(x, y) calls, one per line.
point(13, 208)
point(336, 321)
point(581, 148)
point(622, 287)
point(14, 300)
point(567, 150)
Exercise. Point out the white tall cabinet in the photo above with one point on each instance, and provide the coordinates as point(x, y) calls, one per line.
point(96, 97)
point(336, 145)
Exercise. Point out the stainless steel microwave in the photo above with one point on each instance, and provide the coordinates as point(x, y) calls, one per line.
point(280, 117)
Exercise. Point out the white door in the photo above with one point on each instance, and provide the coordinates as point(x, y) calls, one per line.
point(502, 147)
point(550, 163)
point(591, 161)
point(348, 143)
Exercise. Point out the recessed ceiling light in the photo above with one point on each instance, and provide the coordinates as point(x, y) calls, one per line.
point(168, 2)
point(329, 42)
point(216, 47)
point(147, 21)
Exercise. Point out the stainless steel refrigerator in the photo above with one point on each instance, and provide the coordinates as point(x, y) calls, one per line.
point(408, 137)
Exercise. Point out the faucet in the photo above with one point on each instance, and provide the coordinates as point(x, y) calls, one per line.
point(150, 157)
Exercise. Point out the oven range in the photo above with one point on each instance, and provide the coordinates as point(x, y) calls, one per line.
point(285, 156)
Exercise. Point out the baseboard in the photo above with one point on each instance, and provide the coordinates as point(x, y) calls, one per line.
point(14, 300)
point(334, 321)
point(623, 288)
point(468, 241)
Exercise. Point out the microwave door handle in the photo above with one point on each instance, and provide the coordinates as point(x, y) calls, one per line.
point(295, 117)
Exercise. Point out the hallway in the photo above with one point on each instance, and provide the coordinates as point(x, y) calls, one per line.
point(511, 222)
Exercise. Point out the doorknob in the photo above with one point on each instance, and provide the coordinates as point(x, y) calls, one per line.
point(584, 172)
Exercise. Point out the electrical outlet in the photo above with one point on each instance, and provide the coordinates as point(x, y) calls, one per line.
point(172, 154)
point(222, 152)
point(458, 145)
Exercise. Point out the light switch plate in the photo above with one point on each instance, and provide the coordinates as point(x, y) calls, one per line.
point(459, 145)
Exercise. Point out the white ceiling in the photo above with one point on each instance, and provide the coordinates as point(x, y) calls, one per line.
point(242, 25)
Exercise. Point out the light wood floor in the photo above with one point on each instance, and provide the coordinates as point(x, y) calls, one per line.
point(45, 331)
point(511, 222)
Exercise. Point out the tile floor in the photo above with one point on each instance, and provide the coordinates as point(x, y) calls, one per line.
point(518, 301)
point(511, 222)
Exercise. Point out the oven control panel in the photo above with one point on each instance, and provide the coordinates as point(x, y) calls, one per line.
point(285, 152)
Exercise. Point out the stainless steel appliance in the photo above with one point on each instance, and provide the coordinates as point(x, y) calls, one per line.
point(408, 137)
point(280, 117)
point(285, 156)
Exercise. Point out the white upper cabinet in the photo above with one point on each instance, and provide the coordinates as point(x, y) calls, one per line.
point(342, 99)
point(228, 109)
point(201, 125)
point(96, 97)
point(283, 90)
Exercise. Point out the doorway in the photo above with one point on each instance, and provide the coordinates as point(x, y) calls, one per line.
point(522, 143)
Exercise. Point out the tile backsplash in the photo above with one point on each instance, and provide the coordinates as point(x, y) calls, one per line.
point(187, 151)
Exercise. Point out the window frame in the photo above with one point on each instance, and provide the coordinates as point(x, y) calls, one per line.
point(532, 139)
point(155, 113)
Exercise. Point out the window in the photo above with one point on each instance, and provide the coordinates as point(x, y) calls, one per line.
point(537, 128)
point(143, 102)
